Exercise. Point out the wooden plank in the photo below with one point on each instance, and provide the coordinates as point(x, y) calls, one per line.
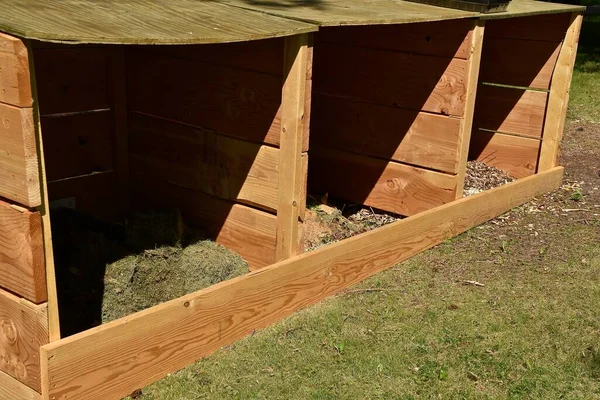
point(442, 38)
point(559, 96)
point(15, 86)
point(264, 56)
point(72, 79)
point(24, 330)
point(134, 351)
point(515, 62)
point(415, 82)
point(383, 184)
point(551, 27)
point(202, 160)
point(21, 253)
point(515, 155)
point(418, 138)
point(516, 111)
point(466, 124)
point(19, 178)
point(243, 104)
point(525, 8)
point(78, 144)
point(249, 232)
point(10, 388)
point(291, 172)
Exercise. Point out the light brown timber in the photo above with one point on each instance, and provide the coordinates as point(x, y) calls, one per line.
point(134, 351)
point(15, 82)
point(291, 173)
point(24, 329)
point(10, 388)
point(559, 96)
point(22, 253)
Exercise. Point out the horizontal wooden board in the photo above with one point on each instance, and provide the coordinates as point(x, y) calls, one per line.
point(418, 138)
point(244, 104)
point(415, 82)
point(245, 230)
point(444, 38)
point(508, 110)
point(22, 268)
point(515, 62)
point(10, 388)
point(551, 27)
point(78, 144)
point(19, 176)
point(389, 186)
point(24, 330)
point(72, 79)
point(15, 79)
point(265, 56)
point(228, 168)
point(134, 351)
point(526, 8)
point(516, 155)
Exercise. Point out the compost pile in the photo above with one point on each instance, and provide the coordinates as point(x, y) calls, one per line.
point(481, 177)
point(107, 271)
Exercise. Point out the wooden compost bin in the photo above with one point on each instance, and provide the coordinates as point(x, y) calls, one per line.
point(208, 107)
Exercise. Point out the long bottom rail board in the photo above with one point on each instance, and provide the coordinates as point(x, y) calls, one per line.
point(112, 360)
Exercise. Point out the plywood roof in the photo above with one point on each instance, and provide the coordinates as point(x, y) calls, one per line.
point(217, 21)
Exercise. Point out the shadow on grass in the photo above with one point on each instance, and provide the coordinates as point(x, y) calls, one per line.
point(588, 57)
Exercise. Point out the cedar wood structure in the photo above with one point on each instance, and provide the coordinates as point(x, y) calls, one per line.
point(209, 107)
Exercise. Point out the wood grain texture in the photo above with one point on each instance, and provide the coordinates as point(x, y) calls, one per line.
point(515, 62)
point(418, 138)
point(78, 144)
point(139, 349)
point(509, 110)
point(21, 253)
point(238, 103)
point(559, 96)
point(10, 388)
point(24, 328)
point(516, 155)
point(526, 8)
point(444, 38)
point(19, 177)
point(292, 187)
point(72, 78)
point(141, 22)
point(383, 184)
point(415, 82)
point(245, 230)
point(15, 85)
point(201, 160)
point(550, 27)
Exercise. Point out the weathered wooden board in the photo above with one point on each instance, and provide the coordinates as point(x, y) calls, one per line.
point(24, 329)
point(10, 388)
point(525, 8)
point(265, 56)
point(444, 38)
point(509, 110)
point(15, 80)
point(515, 62)
point(19, 176)
point(134, 351)
point(383, 184)
point(239, 103)
point(516, 155)
point(245, 230)
point(71, 79)
point(415, 82)
point(141, 21)
point(418, 138)
point(197, 159)
point(22, 253)
point(78, 144)
point(550, 27)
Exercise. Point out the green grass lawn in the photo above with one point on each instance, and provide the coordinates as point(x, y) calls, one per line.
point(418, 331)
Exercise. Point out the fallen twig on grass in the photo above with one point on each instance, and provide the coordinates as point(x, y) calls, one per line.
point(474, 283)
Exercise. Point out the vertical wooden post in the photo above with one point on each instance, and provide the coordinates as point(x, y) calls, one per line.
point(292, 169)
point(44, 209)
point(466, 124)
point(558, 100)
point(119, 100)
